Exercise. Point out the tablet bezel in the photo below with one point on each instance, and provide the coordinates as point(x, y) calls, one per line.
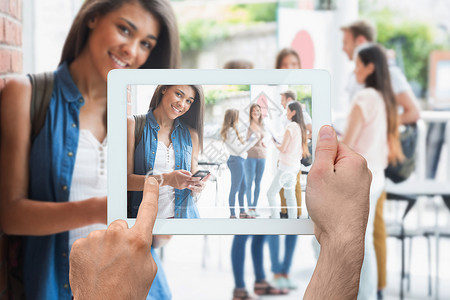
point(118, 80)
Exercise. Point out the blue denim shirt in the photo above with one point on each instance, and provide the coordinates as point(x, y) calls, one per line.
point(144, 160)
point(52, 160)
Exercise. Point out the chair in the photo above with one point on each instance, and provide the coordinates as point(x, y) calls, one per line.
point(438, 232)
point(397, 230)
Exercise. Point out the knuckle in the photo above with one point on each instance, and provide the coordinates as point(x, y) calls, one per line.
point(94, 235)
point(138, 242)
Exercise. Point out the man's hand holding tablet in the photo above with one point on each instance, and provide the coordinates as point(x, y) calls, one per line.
point(116, 263)
point(337, 196)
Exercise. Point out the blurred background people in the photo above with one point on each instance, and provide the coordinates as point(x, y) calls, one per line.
point(356, 36)
point(256, 158)
point(292, 148)
point(372, 131)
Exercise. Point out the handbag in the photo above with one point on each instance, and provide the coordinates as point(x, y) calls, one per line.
point(307, 160)
point(402, 170)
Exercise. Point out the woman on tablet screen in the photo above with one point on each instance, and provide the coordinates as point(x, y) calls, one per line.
point(372, 131)
point(53, 187)
point(167, 149)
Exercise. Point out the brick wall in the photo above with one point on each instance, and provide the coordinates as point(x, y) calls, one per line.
point(10, 64)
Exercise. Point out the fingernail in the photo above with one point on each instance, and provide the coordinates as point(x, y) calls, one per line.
point(326, 132)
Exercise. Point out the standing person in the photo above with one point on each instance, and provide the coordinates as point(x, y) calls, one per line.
point(256, 158)
point(357, 35)
point(292, 148)
point(53, 188)
point(168, 148)
point(261, 287)
point(237, 148)
point(372, 131)
point(287, 58)
point(171, 139)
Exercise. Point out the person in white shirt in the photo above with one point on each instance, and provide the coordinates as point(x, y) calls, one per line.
point(356, 36)
point(292, 148)
point(237, 147)
point(372, 131)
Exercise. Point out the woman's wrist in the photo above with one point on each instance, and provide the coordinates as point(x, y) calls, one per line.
point(163, 179)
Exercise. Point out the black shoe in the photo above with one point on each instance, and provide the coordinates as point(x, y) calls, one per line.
point(283, 215)
point(380, 295)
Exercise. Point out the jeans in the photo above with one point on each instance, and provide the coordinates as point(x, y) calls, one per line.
point(238, 258)
point(286, 180)
point(254, 169)
point(281, 267)
point(238, 183)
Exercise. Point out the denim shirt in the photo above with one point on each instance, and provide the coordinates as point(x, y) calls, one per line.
point(144, 160)
point(52, 160)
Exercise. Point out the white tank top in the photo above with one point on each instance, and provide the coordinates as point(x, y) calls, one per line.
point(165, 163)
point(89, 178)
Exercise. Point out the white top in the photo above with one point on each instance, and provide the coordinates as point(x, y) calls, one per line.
point(165, 163)
point(306, 117)
point(290, 159)
point(372, 142)
point(234, 145)
point(89, 178)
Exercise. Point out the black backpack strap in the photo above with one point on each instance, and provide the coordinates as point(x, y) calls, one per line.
point(41, 93)
point(139, 124)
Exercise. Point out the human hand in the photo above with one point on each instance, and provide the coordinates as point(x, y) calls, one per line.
point(197, 184)
point(116, 263)
point(337, 193)
point(178, 179)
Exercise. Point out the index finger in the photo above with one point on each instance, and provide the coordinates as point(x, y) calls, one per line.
point(148, 209)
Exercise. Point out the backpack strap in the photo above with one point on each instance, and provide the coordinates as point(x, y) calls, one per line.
point(41, 93)
point(139, 124)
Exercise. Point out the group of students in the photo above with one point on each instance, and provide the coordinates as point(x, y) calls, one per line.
point(53, 187)
point(381, 101)
point(246, 162)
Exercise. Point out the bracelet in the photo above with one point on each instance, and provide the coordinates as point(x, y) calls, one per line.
point(161, 180)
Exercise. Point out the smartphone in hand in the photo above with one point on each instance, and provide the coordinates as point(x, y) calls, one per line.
point(201, 173)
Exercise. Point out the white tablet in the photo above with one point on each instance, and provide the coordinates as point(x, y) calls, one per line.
point(211, 212)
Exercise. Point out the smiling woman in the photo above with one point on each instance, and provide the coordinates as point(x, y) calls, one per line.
point(53, 188)
point(169, 146)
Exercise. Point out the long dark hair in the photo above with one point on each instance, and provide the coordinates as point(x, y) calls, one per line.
point(165, 55)
point(298, 118)
point(380, 80)
point(230, 120)
point(194, 116)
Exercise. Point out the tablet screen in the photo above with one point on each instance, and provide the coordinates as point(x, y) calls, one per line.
point(252, 141)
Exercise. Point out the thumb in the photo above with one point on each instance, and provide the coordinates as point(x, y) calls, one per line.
point(148, 209)
point(326, 150)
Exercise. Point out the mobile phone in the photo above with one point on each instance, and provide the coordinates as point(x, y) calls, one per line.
point(201, 173)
